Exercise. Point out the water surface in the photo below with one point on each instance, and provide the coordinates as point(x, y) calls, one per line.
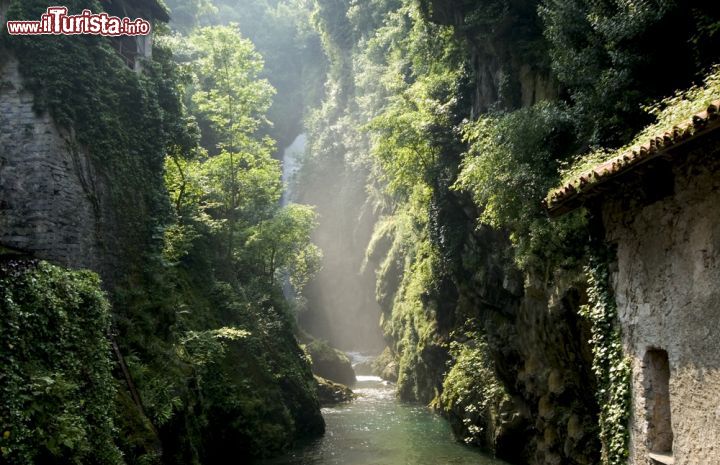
point(376, 429)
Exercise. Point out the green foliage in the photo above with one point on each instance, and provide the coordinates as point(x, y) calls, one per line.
point(471, 393)
point(208, 341)
point(256, 390)
point(401, 135)
point(390, 123)
point(281, 32)
point(450, 99)
point(230, 249)
point(56, 401)
point(239, 190)
point(613, 57)
point(230, 378)
point(227, 88)
point(232, 373)
point(126, 121)
point(513, 160)
point(418, 78)
point(281, 245)
point(233, 196)
point(413, 96)
point(408, 279)
point(611, 367)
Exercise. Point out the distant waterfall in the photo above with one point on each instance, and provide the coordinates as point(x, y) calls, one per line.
point(290, 165)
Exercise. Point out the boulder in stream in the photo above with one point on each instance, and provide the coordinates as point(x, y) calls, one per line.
point(385, 366)
point(330, 393)
point(330, 363)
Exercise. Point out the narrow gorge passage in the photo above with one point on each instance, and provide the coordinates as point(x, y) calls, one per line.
point(376, 428)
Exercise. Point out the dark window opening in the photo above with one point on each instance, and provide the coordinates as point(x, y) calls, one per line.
point(657, 403)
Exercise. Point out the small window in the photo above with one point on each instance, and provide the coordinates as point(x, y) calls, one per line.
point(657, 403)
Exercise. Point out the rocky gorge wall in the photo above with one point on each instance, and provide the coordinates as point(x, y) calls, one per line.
point(49, 195)
point(666, 287)
point(536, 339)
point(540, 351)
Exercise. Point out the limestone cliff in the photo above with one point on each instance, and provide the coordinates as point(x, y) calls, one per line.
point(53, 200)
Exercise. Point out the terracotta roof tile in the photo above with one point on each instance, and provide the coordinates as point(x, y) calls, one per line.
point(572, 194)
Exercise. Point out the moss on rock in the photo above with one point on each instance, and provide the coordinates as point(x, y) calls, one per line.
point(330, 393)
point(330, 363)
point(385, 366)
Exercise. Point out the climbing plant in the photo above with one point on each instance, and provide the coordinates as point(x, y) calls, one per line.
point(471, 392)
point(611, 367)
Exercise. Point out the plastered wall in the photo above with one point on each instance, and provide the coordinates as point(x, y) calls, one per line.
point(667, 287)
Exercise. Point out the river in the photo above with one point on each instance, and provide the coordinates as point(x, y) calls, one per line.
point(377, 429)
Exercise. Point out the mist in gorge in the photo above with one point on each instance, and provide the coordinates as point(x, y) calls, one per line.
point(339, 304)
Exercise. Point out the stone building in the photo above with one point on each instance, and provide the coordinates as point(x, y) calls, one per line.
point(136, 48)
point(659, 207)
point(52, 202)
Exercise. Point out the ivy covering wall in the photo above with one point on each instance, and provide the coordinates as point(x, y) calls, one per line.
point(126, 122)
point(56, 389)
point(610, 365)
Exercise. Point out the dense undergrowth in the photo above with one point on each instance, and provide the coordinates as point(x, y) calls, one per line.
point(471, 395)
point(57, 388)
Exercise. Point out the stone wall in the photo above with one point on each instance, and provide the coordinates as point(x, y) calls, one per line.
point(667, 287)
point(49, 198)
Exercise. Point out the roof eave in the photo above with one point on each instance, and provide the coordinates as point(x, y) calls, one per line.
point(594, 182)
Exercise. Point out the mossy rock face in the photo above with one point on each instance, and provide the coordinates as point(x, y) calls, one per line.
point(258, 395)
point(330, 363)
point(385, 366)
point(330, 393)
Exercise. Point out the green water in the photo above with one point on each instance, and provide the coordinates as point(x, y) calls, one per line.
point(376, 429)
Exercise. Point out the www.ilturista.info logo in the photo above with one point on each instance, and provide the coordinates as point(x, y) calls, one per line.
point(56, 21)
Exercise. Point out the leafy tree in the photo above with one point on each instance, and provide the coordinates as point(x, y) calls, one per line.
point(228, 93)
point(612, 57)
point(228, 90)
point(235, 193)
point(282, 245)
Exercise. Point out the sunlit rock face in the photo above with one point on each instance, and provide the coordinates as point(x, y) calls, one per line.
point(540, 351)
point(667, 287)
